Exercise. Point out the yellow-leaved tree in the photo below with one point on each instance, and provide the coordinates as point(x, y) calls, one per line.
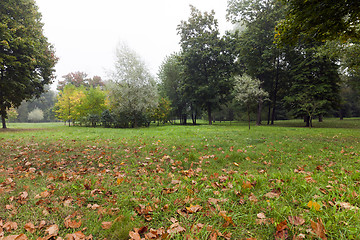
point(68, 102)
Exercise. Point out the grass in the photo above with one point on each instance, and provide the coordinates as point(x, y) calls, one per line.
point(183, 181)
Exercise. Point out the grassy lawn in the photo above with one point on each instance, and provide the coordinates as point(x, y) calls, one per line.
point(181, 182)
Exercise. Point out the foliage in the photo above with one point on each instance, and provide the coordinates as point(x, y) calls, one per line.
point(247, 90)
point(171, 85)
point(36, 115)
point(162, 112)
point(204, 182)
point(26, 57)
point(69, 102)
point(80, 79)
point(12, 114)
point(258, 55)
point(314, 88)
point(207, 61)
point(93, 105)
point(132, 90)
point(320, 21)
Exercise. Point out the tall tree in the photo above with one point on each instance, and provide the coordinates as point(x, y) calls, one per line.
point(171, 80)
point(320, 20)
point(207, 61)
point(132, 90)
point(26, 58)
point(258, 54)
point(315, 84)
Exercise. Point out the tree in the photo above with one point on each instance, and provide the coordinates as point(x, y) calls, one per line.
point(80, 79)
point(26, 58)
point(257, 52)
point(314, 87)
point(68, 103)
point(247, 90)
point(36, 115)
point(132, 91)
point(320, 20)
point(170, 75)
point(162, 112)
point(207, 61)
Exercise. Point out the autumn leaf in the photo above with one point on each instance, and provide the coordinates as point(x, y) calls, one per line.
point(295, 220)
point(282, 231)
point(16, 237)
point(193, 208)
point(30, 227)
point(261, 215)
point(314, 205)
point(72, 223)
point(134, 235)
point(275, 193)
point(119, 181)
point(9, 226)
point(175, 228)
point(347, 206)
point(227, 219)
point(247, 185)
point(106, 225)
point(52, 230)
point(318, 228)
point(76, 236)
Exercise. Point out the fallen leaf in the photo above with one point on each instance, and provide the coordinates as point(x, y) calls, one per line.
point(247, 185)
point(72, 223)
point(261, 215)
point(175, 228)
point(30, 227)
point(347, 206)
point(318, 228)
point(134, 235)
point(282, 231)
point(193, 208)
point(16, 237)
point(314, 205)
point(106, 225)
point(52, 230)
point(295, 220)
point(275, 193)
point(76, 236)
point(9, 226)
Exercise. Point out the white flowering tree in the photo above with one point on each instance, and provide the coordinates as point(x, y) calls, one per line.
point(247, 91)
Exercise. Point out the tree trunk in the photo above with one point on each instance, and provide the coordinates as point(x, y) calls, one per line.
point(3, 121)
point(258, 120)
point(209, 113)
point(275, 91)
point(248, 113)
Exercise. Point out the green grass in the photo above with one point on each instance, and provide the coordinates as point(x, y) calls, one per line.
point(152, 177)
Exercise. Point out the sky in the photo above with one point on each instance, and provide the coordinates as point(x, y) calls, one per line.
point(85, 33)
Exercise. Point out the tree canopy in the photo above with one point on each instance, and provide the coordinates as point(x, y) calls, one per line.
point(320, 20)
point(26, 58)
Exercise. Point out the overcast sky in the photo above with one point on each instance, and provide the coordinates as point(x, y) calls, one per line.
point(85, 32)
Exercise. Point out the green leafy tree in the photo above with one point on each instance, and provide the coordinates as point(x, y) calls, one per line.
point(207, 60)
point(92, 105)
point(320, 20)
point(314, 84)
point(133, 93)
point(248, 91)
point(171, 80)
point(257, 52)
point(26, 58)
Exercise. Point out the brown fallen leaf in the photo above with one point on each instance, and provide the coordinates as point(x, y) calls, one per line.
point(193, 208)
point(9, 226)
point(52, 230)
point(275, 193)
point(319, 229)
point(261, 215)
point(134, 235)
point(16, 237)
point(175, 228)
point(282, 231)
point(295, 220)
point(227, 219)
point(76, 236)
point(106, 225)
point(72, 223)
point(30, 227)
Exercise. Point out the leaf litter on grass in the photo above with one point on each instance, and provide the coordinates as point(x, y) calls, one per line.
point(80, 188)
